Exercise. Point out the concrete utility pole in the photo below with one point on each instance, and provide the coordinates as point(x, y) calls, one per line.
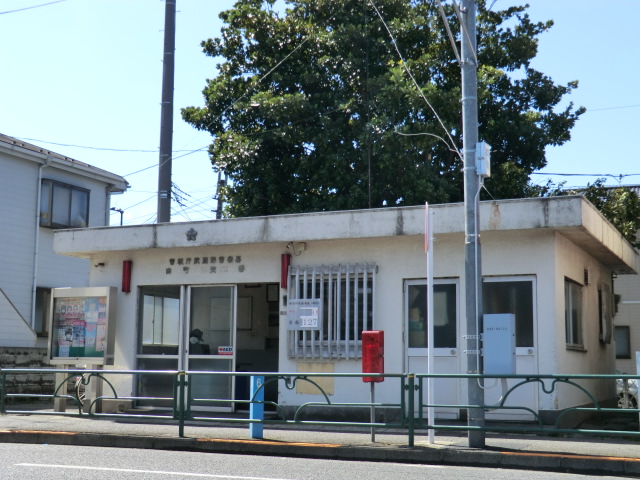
point(473, 271)
point(166, 113)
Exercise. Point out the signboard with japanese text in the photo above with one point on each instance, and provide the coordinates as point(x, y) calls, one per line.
point(304, 314)
point(79, 325)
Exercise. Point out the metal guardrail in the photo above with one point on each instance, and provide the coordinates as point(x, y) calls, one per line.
point(410, 404)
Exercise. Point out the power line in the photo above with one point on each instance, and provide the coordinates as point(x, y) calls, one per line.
point(132, 150)
point(452, 145)
point(612, 175)
point(33, 6)
point(611, 108)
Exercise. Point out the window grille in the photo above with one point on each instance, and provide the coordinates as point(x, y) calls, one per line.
point(347, 294)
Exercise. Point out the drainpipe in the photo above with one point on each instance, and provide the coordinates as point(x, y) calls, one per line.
point(107, 204)
point(36, 250)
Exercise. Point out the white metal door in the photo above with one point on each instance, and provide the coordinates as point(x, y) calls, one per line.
point(446, 351)
point(514, 295)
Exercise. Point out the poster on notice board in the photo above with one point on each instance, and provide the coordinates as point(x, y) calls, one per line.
point(79, 325)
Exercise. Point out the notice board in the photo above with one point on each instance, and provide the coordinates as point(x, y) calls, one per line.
point(81, 327)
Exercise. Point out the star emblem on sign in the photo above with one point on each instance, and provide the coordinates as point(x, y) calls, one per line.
point(191, 235)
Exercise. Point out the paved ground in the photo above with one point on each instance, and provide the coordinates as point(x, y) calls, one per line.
point(583, 454)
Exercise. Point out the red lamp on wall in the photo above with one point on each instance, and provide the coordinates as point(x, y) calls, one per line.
point(126, 276)
point(285, 260)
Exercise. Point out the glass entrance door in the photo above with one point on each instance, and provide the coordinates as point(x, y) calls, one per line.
point(210, 345)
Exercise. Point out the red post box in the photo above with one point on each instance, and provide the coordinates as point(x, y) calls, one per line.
point(373, 354)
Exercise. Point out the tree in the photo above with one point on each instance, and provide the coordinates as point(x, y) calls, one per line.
point(621, 206)
point(318, 108)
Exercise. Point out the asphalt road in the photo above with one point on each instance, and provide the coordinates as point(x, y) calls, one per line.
point(60, 462)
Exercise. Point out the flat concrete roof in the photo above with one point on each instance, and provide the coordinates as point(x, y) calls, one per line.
point(572, 216)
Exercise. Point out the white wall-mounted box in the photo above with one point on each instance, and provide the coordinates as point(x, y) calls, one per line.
point(499, 343)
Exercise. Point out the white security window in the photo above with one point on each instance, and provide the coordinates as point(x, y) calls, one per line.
point(623, 341)
point(573, 313)
point(512, 295)
point(63, 206)
point(347, 295)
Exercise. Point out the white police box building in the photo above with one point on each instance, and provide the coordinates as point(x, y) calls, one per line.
point(549, 261)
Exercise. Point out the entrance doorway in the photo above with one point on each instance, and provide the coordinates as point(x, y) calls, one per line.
point(516, 295)
point(209, 328)
point(210, 347)
point(446, 357)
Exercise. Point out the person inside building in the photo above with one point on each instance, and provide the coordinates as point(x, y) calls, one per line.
point(197, 346)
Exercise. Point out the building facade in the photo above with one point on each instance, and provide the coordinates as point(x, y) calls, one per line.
point(230, 286)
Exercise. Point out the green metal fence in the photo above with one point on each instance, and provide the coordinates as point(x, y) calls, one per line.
point(410, 406)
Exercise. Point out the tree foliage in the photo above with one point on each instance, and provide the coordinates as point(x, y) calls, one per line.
point(313, 108)
point(621, 206)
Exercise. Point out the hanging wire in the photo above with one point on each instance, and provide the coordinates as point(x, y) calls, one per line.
point(452, 145)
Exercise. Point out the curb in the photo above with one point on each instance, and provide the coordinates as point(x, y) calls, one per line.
point(541, 461)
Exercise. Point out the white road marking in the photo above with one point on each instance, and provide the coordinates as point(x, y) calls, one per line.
point(159, 472)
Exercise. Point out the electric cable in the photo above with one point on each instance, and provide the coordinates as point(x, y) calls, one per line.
point(31, 7)
point(611, 108)
point(420, 92)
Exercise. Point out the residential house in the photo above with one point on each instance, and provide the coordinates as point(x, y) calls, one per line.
point(627, 320)
point(40, 192)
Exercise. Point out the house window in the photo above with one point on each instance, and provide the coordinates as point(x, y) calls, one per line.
point(573, 313)
point(444, 314)
point(159, 320)
point(623, 341)
point(347, 294)
point(63, 206)
point(43, 304)
point(502, 295)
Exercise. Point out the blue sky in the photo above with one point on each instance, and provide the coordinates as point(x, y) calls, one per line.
point(87, 73)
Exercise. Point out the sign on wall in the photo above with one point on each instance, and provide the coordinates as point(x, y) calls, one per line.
point(79, 325)
point(304, 314)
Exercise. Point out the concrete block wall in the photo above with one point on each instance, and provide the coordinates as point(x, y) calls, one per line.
point(31, 383)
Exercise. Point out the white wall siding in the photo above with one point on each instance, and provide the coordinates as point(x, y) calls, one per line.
point(15, 330)
point(18, 191)
point(58, 270)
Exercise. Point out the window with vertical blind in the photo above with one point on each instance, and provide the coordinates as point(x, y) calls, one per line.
point(347, 294)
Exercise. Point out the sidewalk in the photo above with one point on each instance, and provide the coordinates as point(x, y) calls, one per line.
point(587, 455)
